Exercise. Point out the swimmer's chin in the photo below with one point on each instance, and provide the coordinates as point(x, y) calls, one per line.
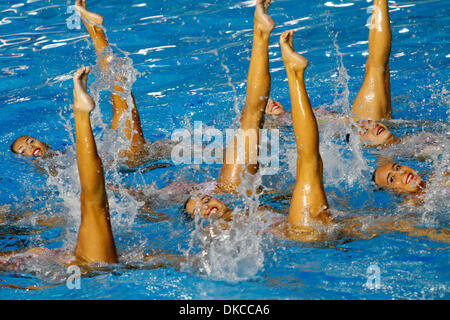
point(48, 154)
point(415, 190)
point(227, 214)
point(45, 153)
point(383, 145)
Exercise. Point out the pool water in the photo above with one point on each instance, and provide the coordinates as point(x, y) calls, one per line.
point(191, 61)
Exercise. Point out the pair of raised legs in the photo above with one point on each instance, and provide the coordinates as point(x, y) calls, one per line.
point(95, 241)
point(309, 200)
point(132, 130)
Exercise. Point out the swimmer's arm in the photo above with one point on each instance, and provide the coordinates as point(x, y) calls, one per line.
point(264, 208)
point(139, 194)
point(413, 201)
point(165, 259)
point(39, 168)
point(406, 226)
point(40, 222)
point(9, 254)
point(44, 222)
point(27, 288)
point(353, 228)
point(440, 234)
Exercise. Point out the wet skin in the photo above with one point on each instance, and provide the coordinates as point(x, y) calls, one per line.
point(29, 147)
point(274, 108)
point(374, 133)
point(208, 207)
point(95, 242)
point(253, 113)
point(399, 178)
point(371, 133)
point(373, 101)
point(133, 130)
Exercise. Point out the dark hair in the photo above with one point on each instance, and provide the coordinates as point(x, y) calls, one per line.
point(347, 138)
point(376, 186)
point(11, 147)
point(187, 217)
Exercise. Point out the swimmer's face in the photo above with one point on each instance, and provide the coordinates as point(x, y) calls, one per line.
point(274, 108)
point(207, 207)
point(29, 147)
point(399, 178)
point(375, 133)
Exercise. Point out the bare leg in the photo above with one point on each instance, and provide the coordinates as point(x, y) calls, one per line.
point(373, 101)
point(95, 239)
point(133, 129)
point(252, 119)
point(309, 201)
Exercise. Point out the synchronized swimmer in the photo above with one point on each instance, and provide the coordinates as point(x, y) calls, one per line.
point(139, 150)
point(309, 215)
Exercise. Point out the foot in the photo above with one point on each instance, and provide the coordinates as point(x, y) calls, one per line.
point(263, 22)
point(82, 101)
point(292, 60)
point(80, 5)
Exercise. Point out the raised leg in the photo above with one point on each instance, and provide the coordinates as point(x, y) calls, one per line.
point(95, 239)
point(309, 202)
point(373, 101)
point(252, 119)
point(133, 130)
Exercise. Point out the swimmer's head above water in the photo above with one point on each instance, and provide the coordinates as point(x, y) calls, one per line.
point(29, 147)
point(374, 133)
point(274, 108)
point(398, 178)
point(207, 207)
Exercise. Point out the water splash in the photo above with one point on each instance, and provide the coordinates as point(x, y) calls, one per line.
point(65, 184)
point(234, 251)
point(234, 254)
point(232, 86)
point(349, 167)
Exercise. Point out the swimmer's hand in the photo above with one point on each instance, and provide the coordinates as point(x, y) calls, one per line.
point(82, 101)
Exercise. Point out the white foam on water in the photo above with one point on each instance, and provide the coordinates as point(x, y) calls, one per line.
point(236, 253)
point(123, 207)
point(343, 165)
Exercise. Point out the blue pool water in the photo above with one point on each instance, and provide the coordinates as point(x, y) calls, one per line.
point(192, 60)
